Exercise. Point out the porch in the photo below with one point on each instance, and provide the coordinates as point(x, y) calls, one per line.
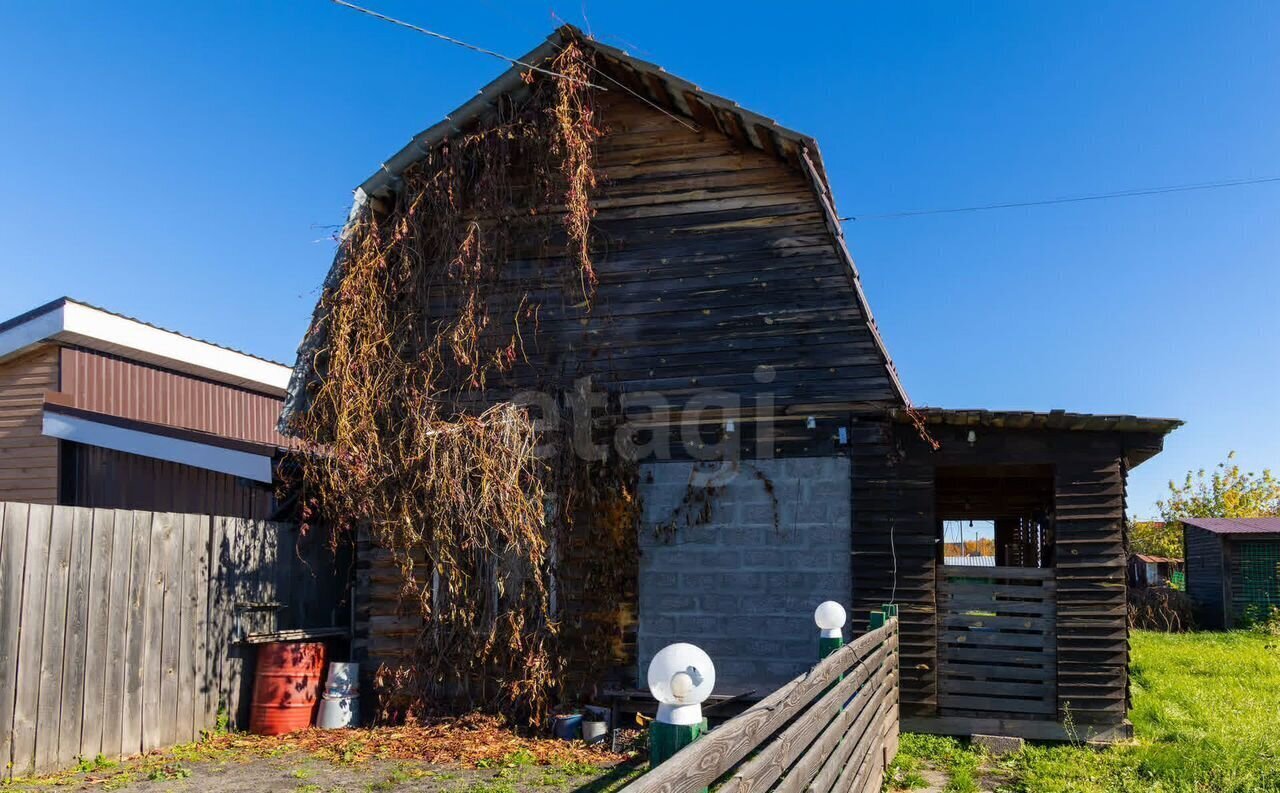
point(1004, 548)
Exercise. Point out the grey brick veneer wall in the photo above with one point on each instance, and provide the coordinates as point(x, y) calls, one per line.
point(739, 586)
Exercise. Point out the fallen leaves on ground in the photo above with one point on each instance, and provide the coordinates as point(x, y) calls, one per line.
point(470, 741)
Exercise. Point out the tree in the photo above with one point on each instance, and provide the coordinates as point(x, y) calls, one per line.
point(1228, 493)
point(1156, 538)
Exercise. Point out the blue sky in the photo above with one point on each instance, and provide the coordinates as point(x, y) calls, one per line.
point(183, 162)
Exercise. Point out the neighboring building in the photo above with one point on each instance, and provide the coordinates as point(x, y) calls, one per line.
point(1233, 568)
point(726, 268)
point(101, 410)
point(1146, 570)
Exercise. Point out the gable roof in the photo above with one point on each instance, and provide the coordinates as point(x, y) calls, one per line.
point(1235, 525)
point(654, 86)
point(74, 322)
point(620, 72)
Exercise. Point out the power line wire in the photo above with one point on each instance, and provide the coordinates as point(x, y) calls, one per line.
point(644, 99)
point(1067, 199)
point(461, 43)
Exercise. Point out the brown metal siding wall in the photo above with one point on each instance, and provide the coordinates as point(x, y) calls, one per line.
point(97, 477)
point(107, 384)
point(28, 459)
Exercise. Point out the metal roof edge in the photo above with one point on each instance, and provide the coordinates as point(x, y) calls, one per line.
point(85, 324)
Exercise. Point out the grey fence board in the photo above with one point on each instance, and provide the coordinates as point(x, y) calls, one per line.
point(190, 673)
point(125, 631)
point(31, 638)
point(119, 595)
point(13, 556)
point(97, 621)
point(136, 635)
point(53, 642)
point(218, 617)
point(75, 637)
point(165, 732)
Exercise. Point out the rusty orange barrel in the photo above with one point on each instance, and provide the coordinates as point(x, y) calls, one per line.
point(286, 689)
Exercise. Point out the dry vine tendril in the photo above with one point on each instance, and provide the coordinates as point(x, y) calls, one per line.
point(411, 436)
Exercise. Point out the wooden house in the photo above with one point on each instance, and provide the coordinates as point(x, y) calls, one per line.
point(1233, 569)
point(102, 410)
point(723, 268)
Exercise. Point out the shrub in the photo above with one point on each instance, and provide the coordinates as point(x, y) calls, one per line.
point(1161, 609)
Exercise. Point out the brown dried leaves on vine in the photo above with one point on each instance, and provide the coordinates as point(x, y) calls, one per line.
point(407, 440)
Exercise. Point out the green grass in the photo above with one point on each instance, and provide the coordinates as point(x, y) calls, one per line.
point(1206, 717)
point(945, 754)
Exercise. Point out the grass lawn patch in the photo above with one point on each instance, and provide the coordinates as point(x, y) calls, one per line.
point(1206, 717)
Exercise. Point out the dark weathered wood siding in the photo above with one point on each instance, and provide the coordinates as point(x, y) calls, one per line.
point(1093, 625)
point(894, 550)
point(895, 496)
point(28, 459)
point(716, 260)
point(717, 271)
point(96, 477)
point(1204, 554)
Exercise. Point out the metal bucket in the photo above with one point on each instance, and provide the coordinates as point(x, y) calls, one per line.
point(343, 679)
point(338, 712)
point(594, 731)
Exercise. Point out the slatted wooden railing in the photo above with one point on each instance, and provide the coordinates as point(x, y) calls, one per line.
point(996, 642)
point(834, 728)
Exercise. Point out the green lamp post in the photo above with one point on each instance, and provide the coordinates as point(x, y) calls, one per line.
point(681, 677)
point(830, 618)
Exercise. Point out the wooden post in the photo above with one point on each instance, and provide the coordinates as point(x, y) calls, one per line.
point(681, 676)
point(828, 645)
point(830, 618)
point(667, 739)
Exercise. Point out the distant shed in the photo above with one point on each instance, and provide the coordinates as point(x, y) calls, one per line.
point(1233, 568)
point(1147, 570)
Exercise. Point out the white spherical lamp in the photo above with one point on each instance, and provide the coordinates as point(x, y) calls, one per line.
point(831, 618)
point(681, 677)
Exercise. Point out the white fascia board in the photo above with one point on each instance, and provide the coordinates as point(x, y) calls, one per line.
point(86, 326)
point(176, 450)
point(35, 330)
point(108, 332)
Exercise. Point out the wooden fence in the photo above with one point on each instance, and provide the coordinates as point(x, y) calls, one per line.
point(123, 631)
point(834, 728)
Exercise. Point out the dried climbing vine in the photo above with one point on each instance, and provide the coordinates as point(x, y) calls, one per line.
point(412, 438)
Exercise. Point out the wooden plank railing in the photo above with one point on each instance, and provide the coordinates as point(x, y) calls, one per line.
point(997, 653)
point(834, 728)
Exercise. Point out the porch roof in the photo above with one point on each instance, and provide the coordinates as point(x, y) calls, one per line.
point(1050, 420)
point(1145, 435)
